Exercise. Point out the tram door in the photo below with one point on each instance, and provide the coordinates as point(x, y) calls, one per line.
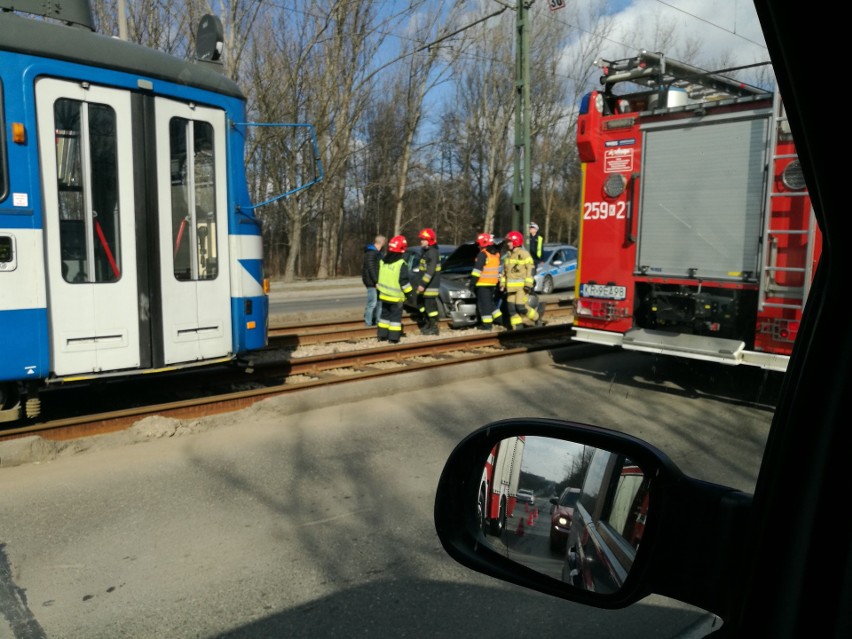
point(87, 171)
point(192, 206)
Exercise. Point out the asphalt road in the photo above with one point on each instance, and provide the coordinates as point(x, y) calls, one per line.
point(311, 515)
point(324, 299)
point(330, 299)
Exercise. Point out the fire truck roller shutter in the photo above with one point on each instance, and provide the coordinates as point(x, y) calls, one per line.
point(703, 179)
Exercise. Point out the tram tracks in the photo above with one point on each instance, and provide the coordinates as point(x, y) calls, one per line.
point(300, 335)
point(285, 368)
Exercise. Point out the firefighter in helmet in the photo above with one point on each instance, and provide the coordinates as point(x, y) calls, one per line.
point(485, 278)
point(393, 286)
point(517, 281)
point(430, 279)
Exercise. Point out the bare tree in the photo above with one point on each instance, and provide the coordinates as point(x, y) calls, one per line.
point(158, 24)
point(482, 113)
point(563, 49)
point(412, 105)
point(378, 162)
point(238, 17)
point(418, 75)
point(311, 67)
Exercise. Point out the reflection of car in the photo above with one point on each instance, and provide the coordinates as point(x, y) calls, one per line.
point(608, 523)
point(742, 557)
point(560, 517)
point(557, 269)
point(526, 495)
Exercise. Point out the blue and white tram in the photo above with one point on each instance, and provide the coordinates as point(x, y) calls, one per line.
point(127, 241)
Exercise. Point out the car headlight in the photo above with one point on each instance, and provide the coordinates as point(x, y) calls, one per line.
point(461, 293)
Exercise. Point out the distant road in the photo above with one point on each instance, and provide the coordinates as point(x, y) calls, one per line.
point(322, 300)
point(344, 301)
point(317, 299)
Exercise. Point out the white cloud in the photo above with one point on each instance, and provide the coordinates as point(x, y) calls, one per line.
point(723, 27)
point(701, 32)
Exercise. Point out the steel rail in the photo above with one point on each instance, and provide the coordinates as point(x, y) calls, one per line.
point(295, 335)
point(299, 373)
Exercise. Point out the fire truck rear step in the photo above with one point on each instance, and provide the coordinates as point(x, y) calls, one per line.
point(711, 349)
point(696, 346)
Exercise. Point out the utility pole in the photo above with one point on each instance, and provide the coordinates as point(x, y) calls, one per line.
point(523, 173)
point(122, 20)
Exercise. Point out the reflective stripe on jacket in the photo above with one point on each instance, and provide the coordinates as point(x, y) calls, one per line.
point(430, 266)
point(393, 284)
point(536, 245)
point(486, 268)
point(517, 269)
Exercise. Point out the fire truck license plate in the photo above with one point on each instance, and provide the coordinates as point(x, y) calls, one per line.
point(605, 292)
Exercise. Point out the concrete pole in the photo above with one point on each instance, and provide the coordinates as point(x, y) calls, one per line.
point(523, 172)
point(122, 20)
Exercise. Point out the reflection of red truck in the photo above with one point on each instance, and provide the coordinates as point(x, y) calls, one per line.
point(697, 237)
point(607, 524)
point(499, 487)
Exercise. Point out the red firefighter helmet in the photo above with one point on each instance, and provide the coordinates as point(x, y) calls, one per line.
point(428, 235)
point(397, 244)
point(485, 239)
point(514, 238)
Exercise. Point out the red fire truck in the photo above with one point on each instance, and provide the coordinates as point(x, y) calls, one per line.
point(697, 236)
point(499, 486)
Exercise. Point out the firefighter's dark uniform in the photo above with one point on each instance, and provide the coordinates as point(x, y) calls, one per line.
point(486, 277)
point(517, 281)
point(393, 287)
point(430, 279)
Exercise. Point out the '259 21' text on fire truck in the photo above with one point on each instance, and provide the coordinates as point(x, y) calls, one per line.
point(697, 237)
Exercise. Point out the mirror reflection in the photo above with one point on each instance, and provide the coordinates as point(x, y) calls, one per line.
point(567, 510)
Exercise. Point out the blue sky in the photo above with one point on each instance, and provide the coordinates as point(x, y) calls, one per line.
point(726, 29)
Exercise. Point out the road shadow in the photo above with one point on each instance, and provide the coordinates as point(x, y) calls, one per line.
point(422, 608)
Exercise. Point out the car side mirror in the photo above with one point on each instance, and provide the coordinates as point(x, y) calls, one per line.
point(637, 525)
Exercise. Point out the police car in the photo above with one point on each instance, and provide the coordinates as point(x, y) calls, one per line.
point(557, 269)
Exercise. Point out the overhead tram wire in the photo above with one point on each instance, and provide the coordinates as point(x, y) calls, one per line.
point(552, 16)
point(712, 24)
point(413, 51)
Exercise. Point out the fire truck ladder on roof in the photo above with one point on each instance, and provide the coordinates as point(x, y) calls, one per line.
point(797, 295)
point(657, 72)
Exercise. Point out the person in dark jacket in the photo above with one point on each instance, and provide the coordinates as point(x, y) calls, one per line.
point(536, 243)
point(429, 286)
point(370, 277)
